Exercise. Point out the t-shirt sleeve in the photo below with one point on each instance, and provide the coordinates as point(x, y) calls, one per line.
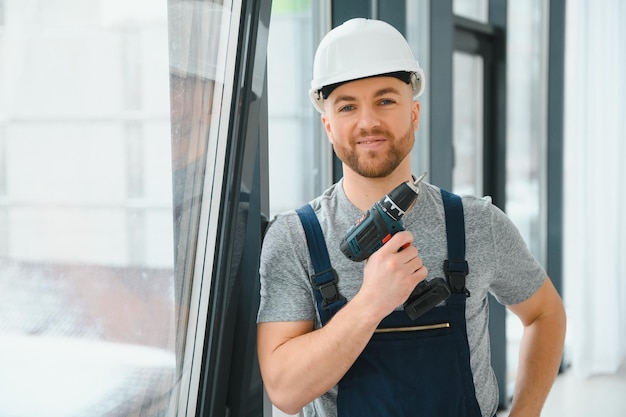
point(518, 274)
point(286, 294)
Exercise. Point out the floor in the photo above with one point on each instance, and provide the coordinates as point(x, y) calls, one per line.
point(574, 396)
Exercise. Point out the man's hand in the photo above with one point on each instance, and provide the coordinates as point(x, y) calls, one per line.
point(392, 273)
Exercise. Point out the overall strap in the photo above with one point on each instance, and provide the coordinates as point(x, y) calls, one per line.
point(324, 280)
point(455, 266)
point(456, 270)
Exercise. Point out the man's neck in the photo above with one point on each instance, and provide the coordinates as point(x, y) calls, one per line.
point(364, 192)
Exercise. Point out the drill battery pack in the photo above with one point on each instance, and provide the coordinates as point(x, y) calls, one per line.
point(425, 296)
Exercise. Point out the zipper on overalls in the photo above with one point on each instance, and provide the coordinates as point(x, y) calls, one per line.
point(413, 328)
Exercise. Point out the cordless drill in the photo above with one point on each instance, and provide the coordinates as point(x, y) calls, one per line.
point(380, 222)
point(377, 226)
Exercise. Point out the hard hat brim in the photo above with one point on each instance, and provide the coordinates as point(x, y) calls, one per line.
point(417, 84)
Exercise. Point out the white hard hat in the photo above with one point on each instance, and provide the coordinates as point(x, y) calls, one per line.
point(361, 48)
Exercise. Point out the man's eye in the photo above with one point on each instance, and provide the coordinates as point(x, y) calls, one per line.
point(387, 101)
point(347, 108)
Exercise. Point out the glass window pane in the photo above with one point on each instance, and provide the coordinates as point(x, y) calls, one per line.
point(527, 80)
point(86, 234)
point(418, 36)
point(467, 174)
point(472, 9)
point(297, 143)
point(202, 48)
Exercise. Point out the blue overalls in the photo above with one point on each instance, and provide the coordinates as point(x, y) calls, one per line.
point(409, 367)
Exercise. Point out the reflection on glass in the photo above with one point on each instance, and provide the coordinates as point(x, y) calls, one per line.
point(467, 177)
point(196, 83)
point(87, 290)
point(199, 42)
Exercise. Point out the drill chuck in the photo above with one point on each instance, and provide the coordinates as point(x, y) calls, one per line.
point(399, 200)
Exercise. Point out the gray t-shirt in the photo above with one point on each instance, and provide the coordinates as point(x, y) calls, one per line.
point(499, 263)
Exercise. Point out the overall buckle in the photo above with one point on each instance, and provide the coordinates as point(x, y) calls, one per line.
point(326, 283)
point(456, 271)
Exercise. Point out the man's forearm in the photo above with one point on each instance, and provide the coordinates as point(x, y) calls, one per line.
point(305, 367)
point(541, 352)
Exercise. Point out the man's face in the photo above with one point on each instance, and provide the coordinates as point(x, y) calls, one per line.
point(370, 123)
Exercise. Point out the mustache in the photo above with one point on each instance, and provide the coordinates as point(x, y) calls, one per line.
point(363, 133)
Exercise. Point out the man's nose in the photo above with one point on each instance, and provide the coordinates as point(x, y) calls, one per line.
point(368, 117)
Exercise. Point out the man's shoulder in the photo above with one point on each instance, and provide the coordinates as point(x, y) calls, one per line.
point(328, 201)
point(470, 202)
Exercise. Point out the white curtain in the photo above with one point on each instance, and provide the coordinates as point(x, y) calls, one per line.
point(595, 186)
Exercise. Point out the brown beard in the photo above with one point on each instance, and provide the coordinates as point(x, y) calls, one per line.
point(375, 164)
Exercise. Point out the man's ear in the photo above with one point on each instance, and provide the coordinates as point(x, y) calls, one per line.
point(326, 124)
point(415, 114)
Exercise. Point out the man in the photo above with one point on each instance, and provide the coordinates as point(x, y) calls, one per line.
point(356, 364)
